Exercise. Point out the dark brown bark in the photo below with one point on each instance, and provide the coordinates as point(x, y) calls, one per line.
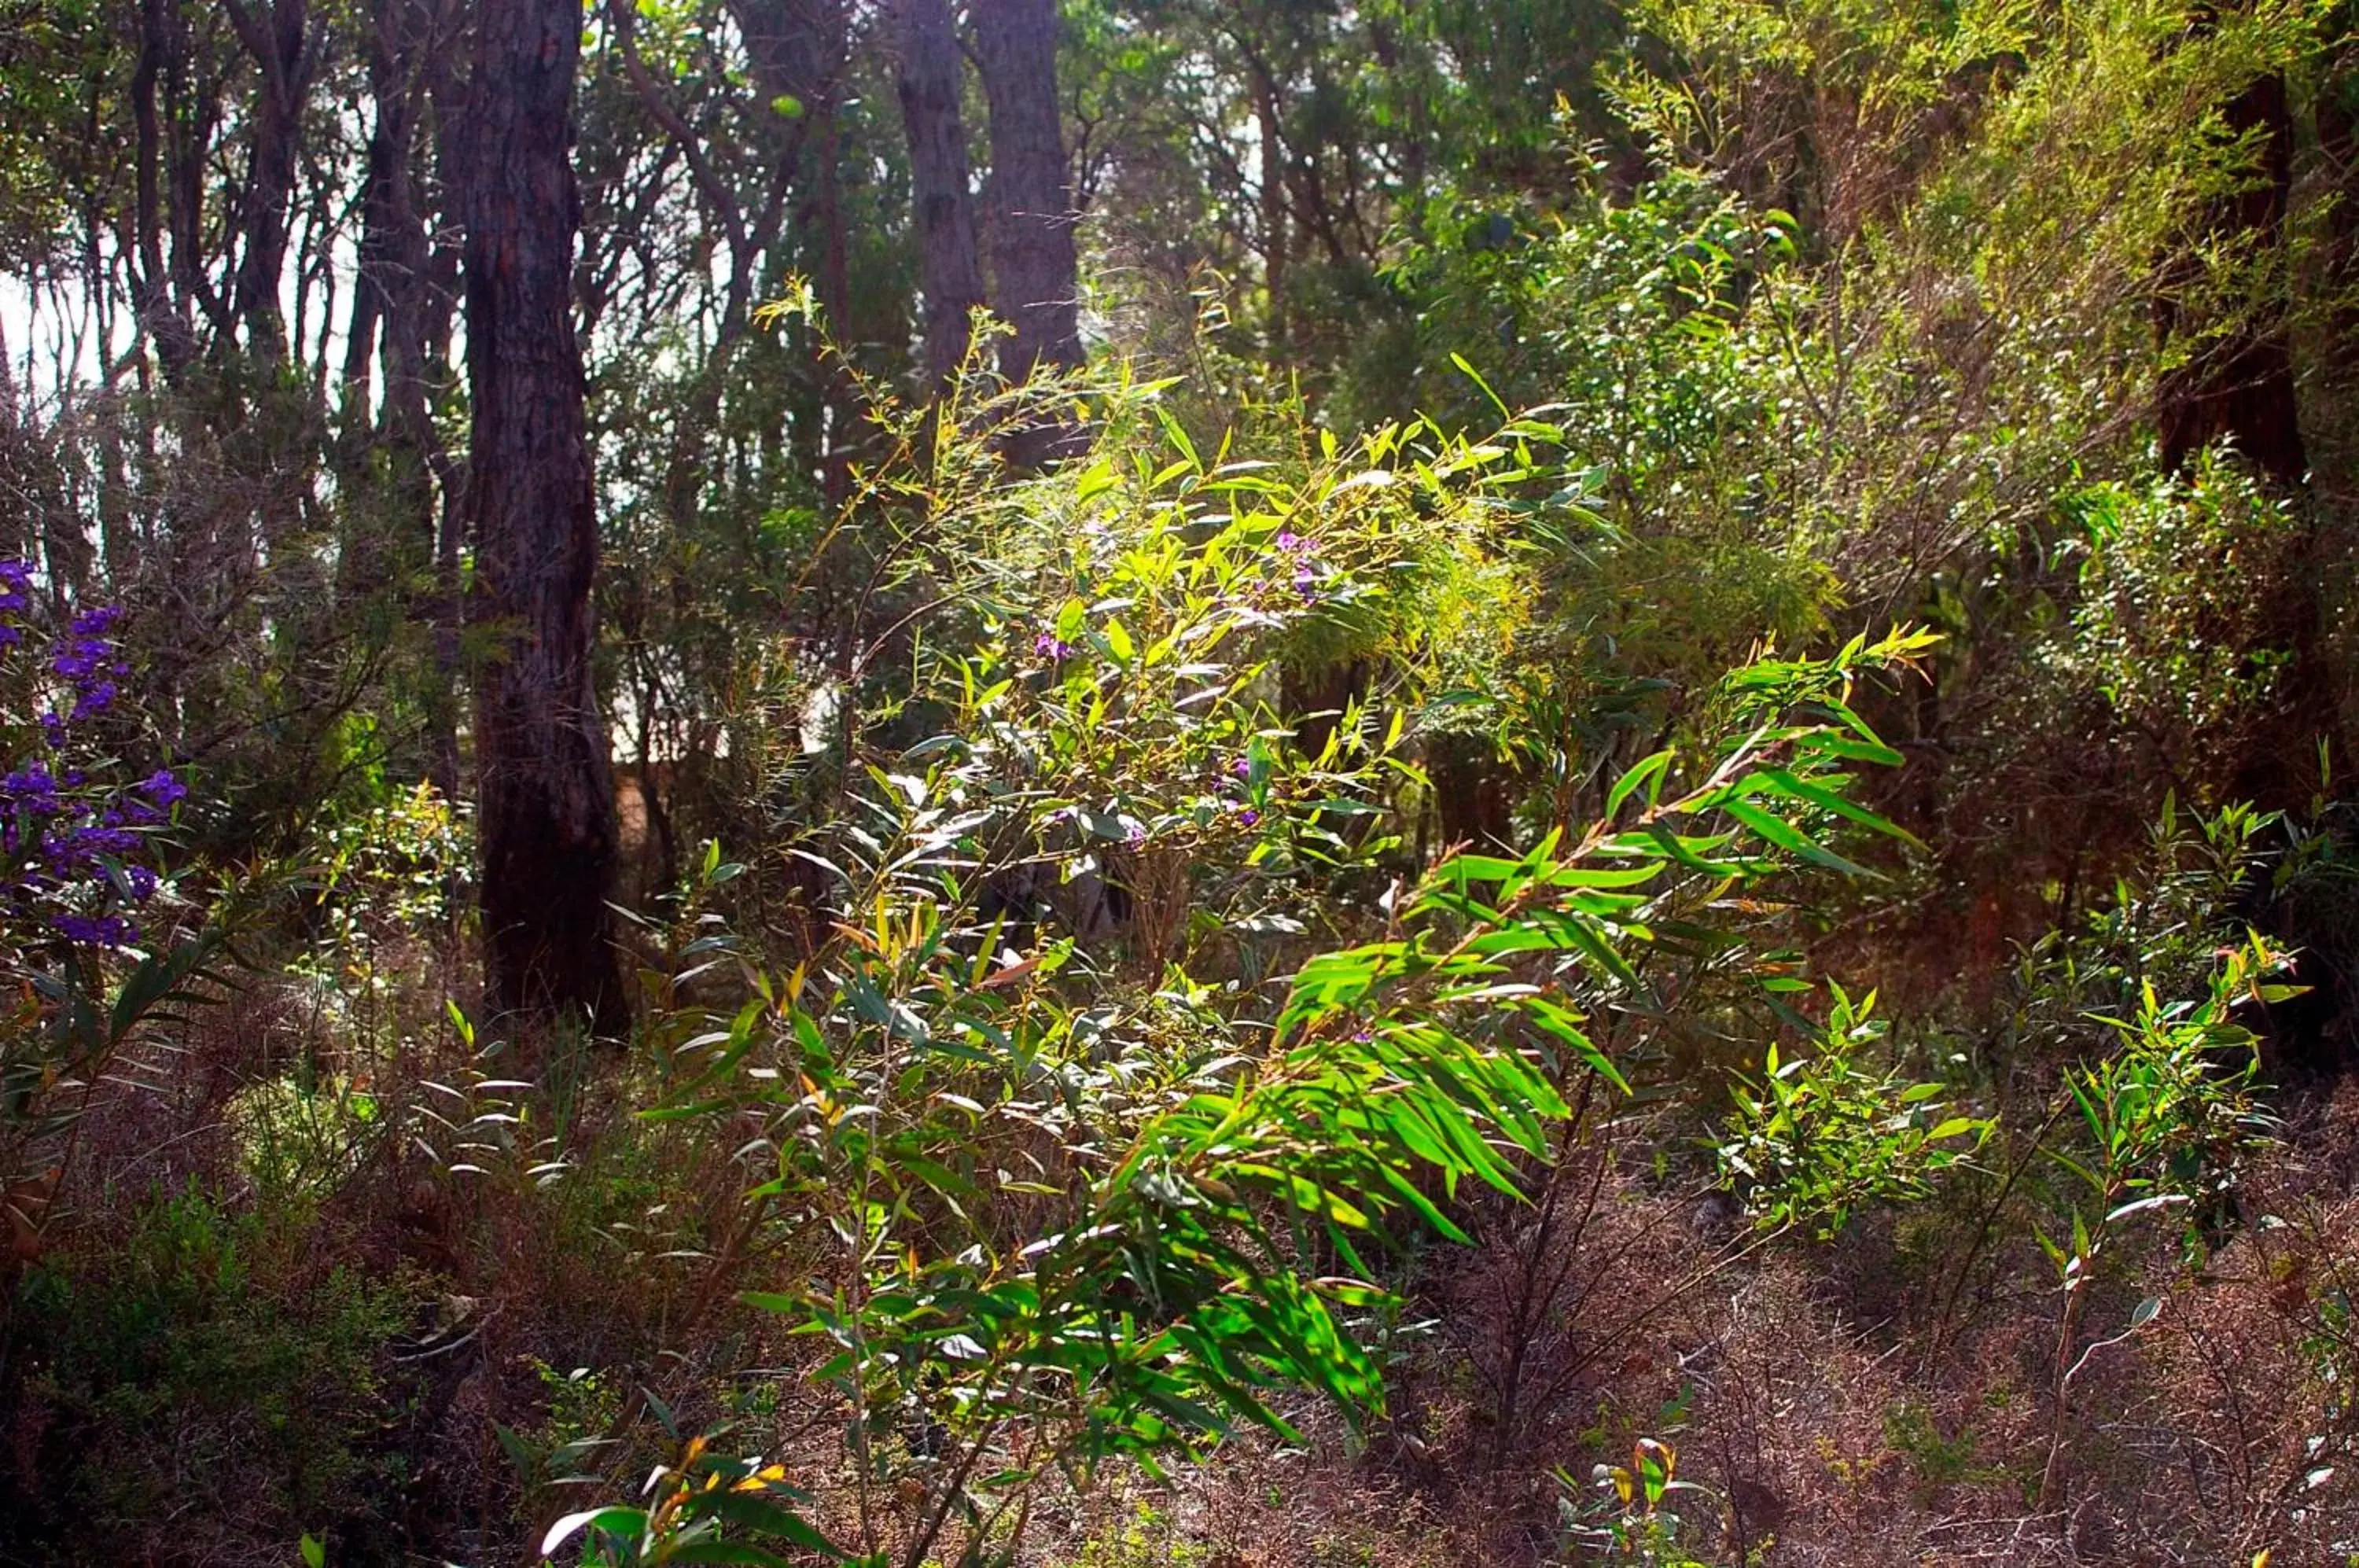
point(1034, 273)
point(545, 792)
point(2239, 389)
point(2332, 384)
point(950, 273)
point(164, 319)
point(279, 41)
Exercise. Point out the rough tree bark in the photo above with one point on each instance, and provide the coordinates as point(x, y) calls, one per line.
point(950, 274)
point(1034, 268)
point(545, 793)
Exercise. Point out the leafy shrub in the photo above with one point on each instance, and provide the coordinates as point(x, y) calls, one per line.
point(1152, 1290)
point(206, 1377)
point(2181, 614)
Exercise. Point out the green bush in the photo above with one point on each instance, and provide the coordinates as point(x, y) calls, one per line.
point(206, 1377)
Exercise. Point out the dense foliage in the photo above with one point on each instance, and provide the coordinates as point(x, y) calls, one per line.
point(1145, 781)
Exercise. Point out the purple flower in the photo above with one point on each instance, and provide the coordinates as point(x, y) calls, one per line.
point(1134, 835)
point(1047, 644)
point(97, 696)
point(29, 782)
point(1242, 767)
point(1297, 544)
point(69, 837)
point(1249, 816)
point(16, 594)
point(95, 931)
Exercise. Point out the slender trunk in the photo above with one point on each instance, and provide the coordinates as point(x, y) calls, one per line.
point(2334, 382)
point(1273, 215)
point(31, 478)
point(436, 301)
point(390, 320)
point(801, 50)
point(280, 44)
point(1033, 261)
point(161, 317)
point(2241, 387)
point(545, 793)
point(950, 274)
point(840, 393)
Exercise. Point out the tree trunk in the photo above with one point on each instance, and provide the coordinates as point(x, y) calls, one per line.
point(164, 319)
point(2333, 384)
point(279, 41)
point(802, 48)
point(2241, 387)
point(1272, 214)
point(1032, 254)
point(950, 275)
point(545, 793)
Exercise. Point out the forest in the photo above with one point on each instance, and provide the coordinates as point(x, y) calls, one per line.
point(1229, 783)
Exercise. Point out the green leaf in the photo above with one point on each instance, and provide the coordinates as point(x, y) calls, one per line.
point(1118, 643)
point(1565, 1027)
point(630, 1523)
point(753, 1512)
point(1641, 773)
point(1794, 787)
point(1786, 836)
point(722, 1551)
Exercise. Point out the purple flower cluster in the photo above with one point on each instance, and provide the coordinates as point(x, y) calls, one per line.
point(1299, 555)
point(1236, 783)
point(86, 660)
point(1047, 644)
point(68, 837)
point(15, 598)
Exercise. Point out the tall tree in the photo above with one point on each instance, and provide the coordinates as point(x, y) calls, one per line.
point(285, 52)
point(2240, 386)
point(1034, 267)
point(544, 801)
point(951, 275)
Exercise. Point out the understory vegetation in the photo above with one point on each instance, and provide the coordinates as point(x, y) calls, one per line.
point(1608, 818)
